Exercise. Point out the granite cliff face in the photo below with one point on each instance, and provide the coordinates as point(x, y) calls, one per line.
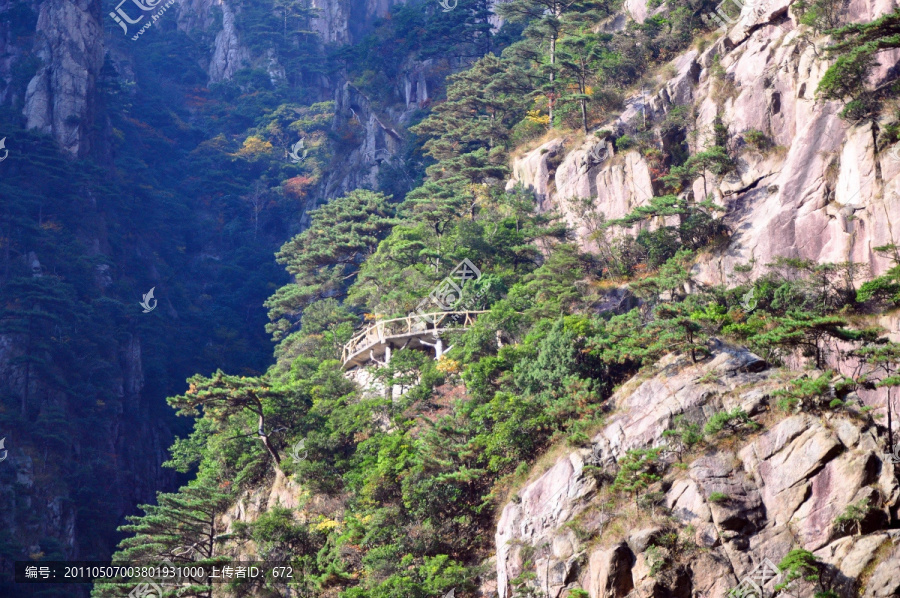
point(61, 98)
point(383, 131)
point(344, 21)
point(339, 22)
point(720, 512)
point(70, 46)
point(826, 190)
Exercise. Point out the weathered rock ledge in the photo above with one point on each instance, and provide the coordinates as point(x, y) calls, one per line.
point(783, 487)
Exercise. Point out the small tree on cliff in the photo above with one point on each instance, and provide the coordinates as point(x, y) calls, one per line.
point(810, 333)
point(637, 470)
point(468, 134)
point(856, 47)
point(884, 362)
point(579, 56)
point(325, 258)
point(544, 21)
point(884, 288)
point(680, 330)
point(221, 396)
point(181, 528)
point(714, 160)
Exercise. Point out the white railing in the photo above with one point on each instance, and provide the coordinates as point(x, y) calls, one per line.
point(412, 325)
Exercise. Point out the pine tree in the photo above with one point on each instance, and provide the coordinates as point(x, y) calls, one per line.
point(714, 160)
point(884, 362)
point(462, 34)
point(809, 332)
point(436, 203)
point(324, 259)
point(680, 331)
point(638, 469)
point(544, 20)
point(856, 47)
point(698, 223)
point(222, 396)
point(671, 278)
point(884, 288)
point(578, 54)
point(582, 53)
point(469, 134)
point(482, 104)
point(181, 528)
point(38, 310)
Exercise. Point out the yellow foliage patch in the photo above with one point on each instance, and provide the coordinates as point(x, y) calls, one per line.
point(254, 147)
point(326, 524)
point(535, 116)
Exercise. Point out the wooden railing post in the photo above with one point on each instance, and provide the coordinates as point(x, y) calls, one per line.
point(381, 332)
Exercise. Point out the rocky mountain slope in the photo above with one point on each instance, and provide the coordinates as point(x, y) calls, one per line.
point(807, 184)
point(821, 189)
point(818, 188)
point(721, 511)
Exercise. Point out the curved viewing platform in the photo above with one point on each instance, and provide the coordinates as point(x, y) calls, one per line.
point(375, 342)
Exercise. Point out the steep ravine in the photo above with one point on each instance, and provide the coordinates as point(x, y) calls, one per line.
point(51, 60)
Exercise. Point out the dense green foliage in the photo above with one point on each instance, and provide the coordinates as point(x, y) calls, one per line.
point(325, 259)
point(856, 48)
point(76, 321)
point(181, 528)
